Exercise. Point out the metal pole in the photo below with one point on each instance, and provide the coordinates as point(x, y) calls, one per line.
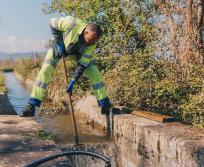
point(71, 106)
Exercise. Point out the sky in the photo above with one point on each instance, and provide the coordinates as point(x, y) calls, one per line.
point(23, 26)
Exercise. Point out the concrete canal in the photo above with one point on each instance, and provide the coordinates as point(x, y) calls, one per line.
point(138, 142)
point(60, 125)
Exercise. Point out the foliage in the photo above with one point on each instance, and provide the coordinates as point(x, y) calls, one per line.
point(193, 111)
point(128, 57)
point(153, 84)
point(117, 20)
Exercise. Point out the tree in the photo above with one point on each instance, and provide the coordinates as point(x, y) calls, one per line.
point(125, 23)
point(182, 31)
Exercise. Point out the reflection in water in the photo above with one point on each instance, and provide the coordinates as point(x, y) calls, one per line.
point(61, 125)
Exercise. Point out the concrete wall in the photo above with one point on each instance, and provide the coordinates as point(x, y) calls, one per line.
point(143, 143)
point(5, 106)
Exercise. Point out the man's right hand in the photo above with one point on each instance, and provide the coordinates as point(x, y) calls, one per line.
point(70, 87)
point(59, 50)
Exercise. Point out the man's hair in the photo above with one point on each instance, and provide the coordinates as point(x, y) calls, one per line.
point(96, 28)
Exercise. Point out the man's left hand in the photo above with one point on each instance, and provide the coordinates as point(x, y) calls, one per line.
point(70, 86)
point(105, 105)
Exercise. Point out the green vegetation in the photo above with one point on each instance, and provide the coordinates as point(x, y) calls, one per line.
point(155, 85)
point(136, 70)
point(40, 134)
point(44, 135)
point(3, 88)
point(29, 67)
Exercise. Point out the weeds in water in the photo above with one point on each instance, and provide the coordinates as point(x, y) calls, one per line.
point(45, 135)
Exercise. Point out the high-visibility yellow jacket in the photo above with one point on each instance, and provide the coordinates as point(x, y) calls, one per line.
point(71, 28)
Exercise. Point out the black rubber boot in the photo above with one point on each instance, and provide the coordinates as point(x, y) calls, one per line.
point(105, 110)
point(116, 111)
point(29, 111)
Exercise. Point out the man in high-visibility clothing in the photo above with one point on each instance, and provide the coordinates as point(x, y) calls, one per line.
point(75, 39)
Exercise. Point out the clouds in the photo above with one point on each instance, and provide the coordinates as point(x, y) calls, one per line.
point(13, 44)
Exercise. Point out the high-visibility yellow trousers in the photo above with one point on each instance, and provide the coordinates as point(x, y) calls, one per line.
point(45, 75)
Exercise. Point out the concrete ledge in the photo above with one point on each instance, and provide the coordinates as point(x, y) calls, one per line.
point(143, 143)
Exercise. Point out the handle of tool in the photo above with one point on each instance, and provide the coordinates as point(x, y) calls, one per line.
point(71, 106)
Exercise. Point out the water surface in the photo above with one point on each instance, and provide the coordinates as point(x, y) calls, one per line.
point(61, 125)
point(17, 93)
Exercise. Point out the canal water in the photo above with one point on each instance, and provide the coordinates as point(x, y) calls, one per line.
point(17, 93)
point(61, 125)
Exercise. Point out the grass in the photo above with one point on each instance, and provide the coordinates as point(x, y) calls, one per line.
point(3, 88)
point(29, 67)
point(44, 135)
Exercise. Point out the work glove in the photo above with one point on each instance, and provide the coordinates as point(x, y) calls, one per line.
point(59, 50)
point(105, 105)
point(70, 87)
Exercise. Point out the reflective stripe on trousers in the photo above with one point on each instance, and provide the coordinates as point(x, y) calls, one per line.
point(44, 76)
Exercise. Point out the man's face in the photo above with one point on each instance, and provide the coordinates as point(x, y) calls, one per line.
point(90, 36)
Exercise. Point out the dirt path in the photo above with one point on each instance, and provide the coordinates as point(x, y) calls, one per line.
point(20, 142)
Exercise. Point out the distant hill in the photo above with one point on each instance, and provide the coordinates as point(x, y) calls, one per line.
point(7, 56)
